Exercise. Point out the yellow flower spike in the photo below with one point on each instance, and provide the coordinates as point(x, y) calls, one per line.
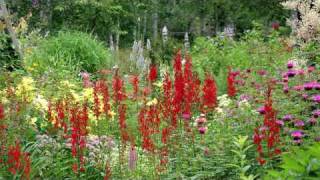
point(88, 94)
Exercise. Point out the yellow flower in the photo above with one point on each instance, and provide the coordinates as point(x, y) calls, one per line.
point(75, 96)
point(152, 102)
point(88, 94)
point(67, 84)
point(33, 121)
point(111, 113)
point(158, 84)
point(26, 89)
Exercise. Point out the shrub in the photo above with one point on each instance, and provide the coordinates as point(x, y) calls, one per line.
point(68, 51)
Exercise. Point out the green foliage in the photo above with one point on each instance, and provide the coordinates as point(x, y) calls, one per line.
point(241, 149)
point(68, 51)
point(301, 163)
point(8, 57)
point(252, 50)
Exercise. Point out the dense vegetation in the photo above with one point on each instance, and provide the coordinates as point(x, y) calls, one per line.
point(227, 91)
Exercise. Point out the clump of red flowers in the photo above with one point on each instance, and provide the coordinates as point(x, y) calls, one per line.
point(153, 73)
point(269, 132)
point(18, 161)
point(231, 83)
point(117, 86)
point(209, 92)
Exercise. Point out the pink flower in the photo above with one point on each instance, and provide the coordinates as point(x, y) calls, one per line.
point(316, 113)
point(297, 134)
point(201, 120)
point(316, 98)
point(202, 130)
point(290, 64)
point(261, 110)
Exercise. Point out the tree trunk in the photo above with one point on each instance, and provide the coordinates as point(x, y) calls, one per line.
point(155, 19)
point(14, 39)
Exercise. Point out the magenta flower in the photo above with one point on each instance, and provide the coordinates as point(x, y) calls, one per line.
point(280, 123)
point(202, 130)
point(312, 121)
point(297, 134)
point(290, 64)
point(287, 117)
point(308, 86)
point(317, 86)
point(261, 110)
point(316, 98)
point(299, 123)
point(300, 72)
point(316, 113)
point(186, 116)
point(291, 73)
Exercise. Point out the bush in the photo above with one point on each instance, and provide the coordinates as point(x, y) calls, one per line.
point(68, 51)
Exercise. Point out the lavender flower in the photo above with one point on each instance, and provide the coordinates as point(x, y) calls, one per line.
point(287, 117)
point(299, 123)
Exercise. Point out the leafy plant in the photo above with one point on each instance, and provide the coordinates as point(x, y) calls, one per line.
point(301, 163)
point(241, 149)
point(68, 51)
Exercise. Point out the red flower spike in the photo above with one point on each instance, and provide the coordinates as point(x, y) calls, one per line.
point(153, 73)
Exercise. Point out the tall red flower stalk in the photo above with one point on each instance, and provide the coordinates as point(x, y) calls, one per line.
point(167, 96)
point(79, 123)
point(152, 73)
point(2, 115)
point(2, 124)
point(117, 86)
point(145, 130)
point(179, 85)
point(122, 122)
point(135, 84)
point(189, 90)
point(231, 83)
point(209, 92)
point(101, 88)
point(269, 132)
